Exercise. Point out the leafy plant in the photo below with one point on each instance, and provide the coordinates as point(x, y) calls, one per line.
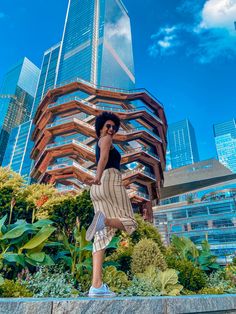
point(208, 290)
point(148, 231)
point(13, 289)
point(23, 243)
point(139, 287)
point(166, 282)
point(146, 253)
point(190, 276)
point(185, 249)
point(51, 282)
point(116, 279)
point(77, 253)
point(206, 260)
point(155, 282)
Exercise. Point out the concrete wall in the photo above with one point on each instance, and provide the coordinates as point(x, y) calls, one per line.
point(207, 304)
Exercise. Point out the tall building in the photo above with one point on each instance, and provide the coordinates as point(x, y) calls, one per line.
point(97, 44)
point(95, 74)
point(16, 99)
point(199, 202)
point(225, 140)
point(182, 144)
point(17, 155)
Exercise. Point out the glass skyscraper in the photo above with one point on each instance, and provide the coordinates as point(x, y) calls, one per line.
point(182, 144)
point(16, 99)
point(18, 151)
point(225, 140)
point(47, 74)
point(96, 44)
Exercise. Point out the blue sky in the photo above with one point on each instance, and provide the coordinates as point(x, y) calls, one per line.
point(184, 50)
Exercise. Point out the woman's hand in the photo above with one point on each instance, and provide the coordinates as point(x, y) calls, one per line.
point(96, 181)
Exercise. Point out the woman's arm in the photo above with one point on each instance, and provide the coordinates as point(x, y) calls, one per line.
point(105, 145)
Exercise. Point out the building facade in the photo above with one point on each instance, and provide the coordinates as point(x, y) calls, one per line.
point(19, 147)
point(16, 99)
point(97, 44)
point(200, 208)
point(225, 140)
point(182, 145)
point(17, 155)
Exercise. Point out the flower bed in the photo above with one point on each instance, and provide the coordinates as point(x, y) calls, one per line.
point(43, 251)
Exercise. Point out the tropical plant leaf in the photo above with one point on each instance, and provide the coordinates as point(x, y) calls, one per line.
point(15, 258)
point(2, 222)
point(1, 280)
point(168, 277)
point(40, 237)
point(16, 232)
point(114, 243)
point(88, 247)
point(43, 222)
point(53, 244)
point(111, 263)
point(67, 260)
point(46, 262)
point(37, 257)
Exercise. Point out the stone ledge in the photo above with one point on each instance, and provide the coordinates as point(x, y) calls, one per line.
point(201, 304)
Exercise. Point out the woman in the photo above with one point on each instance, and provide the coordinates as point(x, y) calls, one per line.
point(111, 203)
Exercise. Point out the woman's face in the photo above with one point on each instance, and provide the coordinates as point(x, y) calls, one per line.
point(108, 128)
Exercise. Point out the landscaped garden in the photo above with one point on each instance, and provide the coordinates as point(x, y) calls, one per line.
point(43, 251)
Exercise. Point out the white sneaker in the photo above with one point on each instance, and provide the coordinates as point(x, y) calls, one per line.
point(97, 224)
point(103, 291)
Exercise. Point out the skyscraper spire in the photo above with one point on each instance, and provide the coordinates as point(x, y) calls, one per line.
point(97, 44)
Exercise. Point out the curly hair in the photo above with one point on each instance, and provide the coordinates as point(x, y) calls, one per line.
point(102, 118)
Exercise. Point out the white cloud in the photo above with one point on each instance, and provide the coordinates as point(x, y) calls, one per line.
point(210, 35)
point(119, 29)
point(165, 41)
point(219, 14)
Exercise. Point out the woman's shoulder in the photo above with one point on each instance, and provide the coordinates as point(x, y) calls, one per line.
point(105, 140)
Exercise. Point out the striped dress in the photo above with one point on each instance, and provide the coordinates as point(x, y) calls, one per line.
point(112, 199)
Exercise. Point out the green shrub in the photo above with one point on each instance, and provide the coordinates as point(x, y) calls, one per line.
point(139, 287)
point(117, 280)
point(13, 289)
point(64, 214)
point(51, 282)
point(208, 290)
point(190, 276)
point(85, 281)
point(147, 230)
point(218, 279)
point(154, 282)
point(146, 253)
point(188, 292)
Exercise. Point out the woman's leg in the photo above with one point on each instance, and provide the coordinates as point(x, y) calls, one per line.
point(99, 255)
point(97, 268)
point(114, 223)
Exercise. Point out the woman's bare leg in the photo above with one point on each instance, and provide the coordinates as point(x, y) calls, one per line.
point(99, 255)
point(114, 223)
point(97, 268)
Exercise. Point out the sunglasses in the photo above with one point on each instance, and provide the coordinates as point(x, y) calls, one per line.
point(113, 127)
